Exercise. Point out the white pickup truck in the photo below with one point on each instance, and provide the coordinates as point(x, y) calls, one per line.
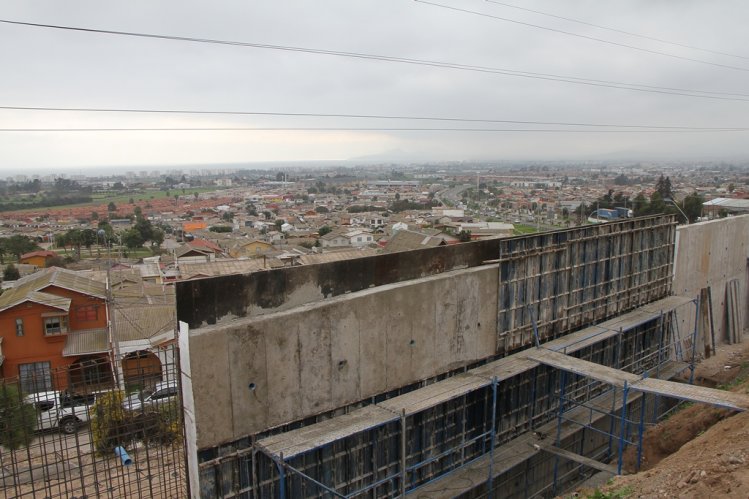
point(56, 410)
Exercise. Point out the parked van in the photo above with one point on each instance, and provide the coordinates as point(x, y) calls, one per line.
point(59, 410)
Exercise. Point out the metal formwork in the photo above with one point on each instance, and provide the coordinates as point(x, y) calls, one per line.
point(597, 293)
point(568, 279)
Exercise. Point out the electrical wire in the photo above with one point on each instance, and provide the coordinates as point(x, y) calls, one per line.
point(369, 129)
point(578, 35)
point(357, 116)
point(616, 30)
point(637, 87)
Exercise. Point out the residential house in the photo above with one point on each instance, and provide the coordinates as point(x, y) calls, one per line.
point(359, 238)
point(334, 240)
point(39, 317)
point(38, 258)
point(407, 240)
point(251, 248)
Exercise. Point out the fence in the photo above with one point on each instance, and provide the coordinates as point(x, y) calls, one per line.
point(94, 429)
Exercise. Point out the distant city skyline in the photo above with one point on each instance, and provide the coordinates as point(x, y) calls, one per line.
point(492, 65)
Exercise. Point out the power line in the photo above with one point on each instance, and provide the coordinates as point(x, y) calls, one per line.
point(370, 129)
point(578, 35)
point(616, 30)
point(356, 116)
point(637, 87)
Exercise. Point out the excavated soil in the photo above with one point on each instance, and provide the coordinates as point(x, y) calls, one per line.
point(701, 451)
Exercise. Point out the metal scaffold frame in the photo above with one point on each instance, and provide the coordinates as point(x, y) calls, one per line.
point(467, 423)
point(633, 399)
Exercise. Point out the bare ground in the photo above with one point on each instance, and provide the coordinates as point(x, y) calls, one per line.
point(701, 451)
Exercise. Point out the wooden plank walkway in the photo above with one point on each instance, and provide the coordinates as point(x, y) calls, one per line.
point(616, 377)
point(721, 398)
point(571, 364)
point(307, 438)
point(591, 463)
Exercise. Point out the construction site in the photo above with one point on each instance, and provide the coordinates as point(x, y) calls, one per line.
point(515, 367)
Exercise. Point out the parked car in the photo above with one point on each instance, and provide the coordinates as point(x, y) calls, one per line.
point(143, 400)
point(59, 410)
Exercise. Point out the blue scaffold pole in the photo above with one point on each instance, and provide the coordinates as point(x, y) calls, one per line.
point(493, 433)
point(281, 478)
point(562, 387)
point(641, 426)
point(623, 428)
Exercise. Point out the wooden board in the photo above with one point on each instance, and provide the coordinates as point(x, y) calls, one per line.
point(591, 463)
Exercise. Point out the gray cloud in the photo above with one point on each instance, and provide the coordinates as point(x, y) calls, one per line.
point(58, 68)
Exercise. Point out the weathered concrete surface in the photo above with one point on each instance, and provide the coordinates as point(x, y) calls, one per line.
point(326, 355)
point(210, 301)
point(711, 254)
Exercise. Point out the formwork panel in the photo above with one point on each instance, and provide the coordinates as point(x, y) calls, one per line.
point(565, 280)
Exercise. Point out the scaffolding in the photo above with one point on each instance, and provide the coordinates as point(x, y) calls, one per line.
point(483, 422)
point(599, 294)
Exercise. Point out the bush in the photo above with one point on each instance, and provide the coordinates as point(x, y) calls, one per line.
point(11, 273)
point(17, 418)
point(112, 425)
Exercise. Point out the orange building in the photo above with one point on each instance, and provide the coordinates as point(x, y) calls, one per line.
point(37, 258)
point(193, 225)
point(42, 320)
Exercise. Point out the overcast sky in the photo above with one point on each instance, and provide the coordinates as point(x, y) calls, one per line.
point(57, 68)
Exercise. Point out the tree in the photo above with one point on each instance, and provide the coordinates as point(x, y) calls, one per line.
point(279, 223)
point(324, 230)
point(18, 244)
point(111, 207)
point(195, 195)
point(138, 212)
point(663, 187)
point(322, 209)
point(94, 215)
point(56, 261)
point(61, 241)
point(692, 206)
point(11, 273)
point(464, 236)
point(17, 418)
point(639, 205)
point(2, 251)
point(75, 238)
point(132, 239)
point(228, 216)
point(88, 239)
point(146, 232)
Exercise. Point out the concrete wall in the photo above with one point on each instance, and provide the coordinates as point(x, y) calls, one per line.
point(271, 348)
point(711, 254)
point(256, 373)
point(210, 301)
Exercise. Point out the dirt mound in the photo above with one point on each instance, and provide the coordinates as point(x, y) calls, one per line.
point(701, 451)
point(712, 465)
point(670, 435)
